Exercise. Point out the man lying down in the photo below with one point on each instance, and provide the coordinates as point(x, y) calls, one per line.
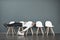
point(28, 25)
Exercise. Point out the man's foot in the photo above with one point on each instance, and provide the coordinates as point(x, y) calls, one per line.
point(20, 33)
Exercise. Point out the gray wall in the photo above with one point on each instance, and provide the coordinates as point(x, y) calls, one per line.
point(16, 10)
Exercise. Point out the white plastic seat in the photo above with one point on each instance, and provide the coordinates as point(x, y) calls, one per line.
point(28, 24)
point(39, 25)
point(49, 25)
point(11, 22)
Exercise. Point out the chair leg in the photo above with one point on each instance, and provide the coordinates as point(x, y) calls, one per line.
point(31, 30)
point(52, 31)
point(19, 29)
point(22, 28)
point(42, 31)
point(8, 30)
point(47, 31)
point(26, 32)
point(37, 30)
point(12, 30)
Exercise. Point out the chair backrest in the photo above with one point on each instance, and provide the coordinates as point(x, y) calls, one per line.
point(39, 24)
point(11, 22)
point(48, 24)
point(29, 24)
point(22, 23)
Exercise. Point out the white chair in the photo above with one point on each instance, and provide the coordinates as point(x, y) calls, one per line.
point(48, 25)
point(39, 25)
point(29, 24)
point(11, 28)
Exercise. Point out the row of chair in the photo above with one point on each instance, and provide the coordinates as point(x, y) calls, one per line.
point(30, 24)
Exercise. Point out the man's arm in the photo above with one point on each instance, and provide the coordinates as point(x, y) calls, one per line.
point(25, 29)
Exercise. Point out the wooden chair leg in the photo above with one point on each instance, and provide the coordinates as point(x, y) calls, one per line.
point(12, 31)
point(31, 30)
point(47, 31)
point(19, 29)
point(37, 30)
point(26, 32)
point(42, 31)
point(22, 28)
point(8, 30)
point(52, 31)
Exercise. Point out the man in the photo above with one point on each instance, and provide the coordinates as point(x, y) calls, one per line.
point(28, 25)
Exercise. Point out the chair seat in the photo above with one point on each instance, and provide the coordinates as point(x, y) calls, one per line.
point(39, 26)
point(49, 26)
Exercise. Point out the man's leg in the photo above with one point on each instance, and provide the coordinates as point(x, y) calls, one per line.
point(22, 32)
